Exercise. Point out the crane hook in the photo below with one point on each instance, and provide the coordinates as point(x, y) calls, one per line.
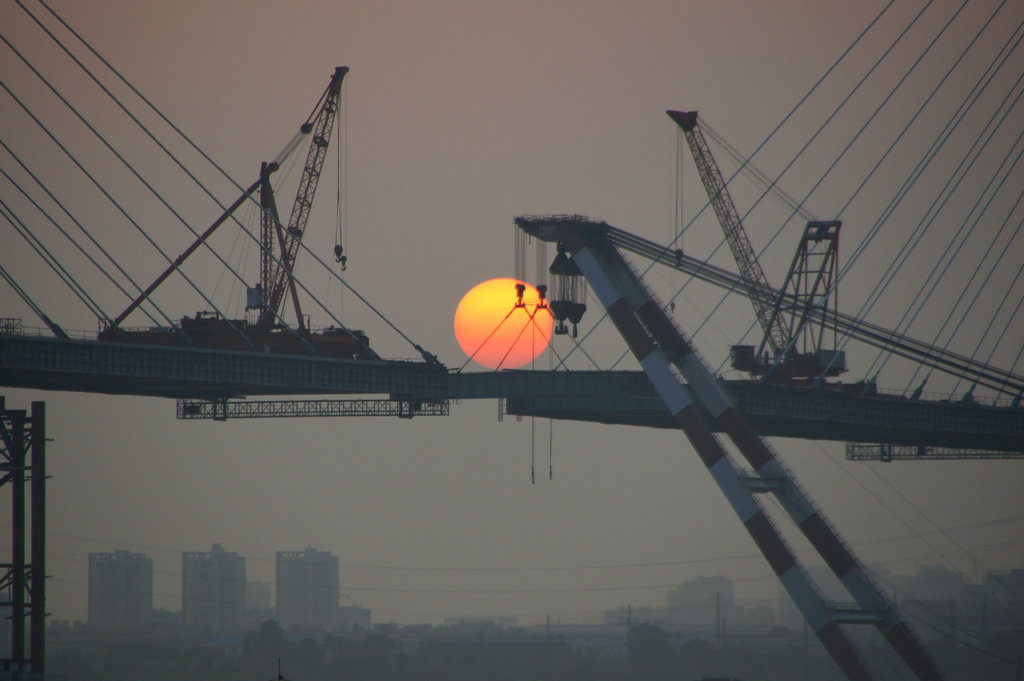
point(339, 258)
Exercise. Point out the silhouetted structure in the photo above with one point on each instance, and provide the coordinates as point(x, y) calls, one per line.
point(307, 590)
point(23, 582)
point(120, 590)
point(213, 590)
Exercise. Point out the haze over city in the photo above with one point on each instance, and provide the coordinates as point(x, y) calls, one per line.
point(459, 116)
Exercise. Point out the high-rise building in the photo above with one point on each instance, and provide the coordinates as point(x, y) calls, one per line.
point(213, 590)
point(307, 590)
point(120, 590)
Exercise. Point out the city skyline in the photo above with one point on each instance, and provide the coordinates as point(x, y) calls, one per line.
point(929, 582)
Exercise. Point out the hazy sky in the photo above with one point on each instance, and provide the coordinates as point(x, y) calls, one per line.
point(458, 117)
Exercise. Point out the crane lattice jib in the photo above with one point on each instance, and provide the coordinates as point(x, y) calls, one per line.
point(750, 271)
point(321, 124)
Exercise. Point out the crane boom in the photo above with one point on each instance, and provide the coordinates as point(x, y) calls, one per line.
point(277, 273)
point(751, 274)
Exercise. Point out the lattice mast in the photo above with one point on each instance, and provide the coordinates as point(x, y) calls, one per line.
point(753, 277)
point(276, 273)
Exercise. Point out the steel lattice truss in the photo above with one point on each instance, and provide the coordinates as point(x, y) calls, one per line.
point(221, 410)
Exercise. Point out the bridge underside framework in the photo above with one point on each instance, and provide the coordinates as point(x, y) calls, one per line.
point(210, 383)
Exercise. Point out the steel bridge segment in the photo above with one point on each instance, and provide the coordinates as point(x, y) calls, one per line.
point(809, 413)
point(613, 397)
point(128, 369)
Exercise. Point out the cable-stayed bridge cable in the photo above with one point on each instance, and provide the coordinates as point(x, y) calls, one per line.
point(960, 242)
point(798, 207)
point(285, 154)
point(940, 201)
point(870, 333)
point(999, 307)
point(154, 192)
point(70, 238)
point(113, 201)
point(52, 262)
point(875, 229)
point(54, 328)
point(707, 204)
point(281, 157)
point(940, 141)
point(135, 90)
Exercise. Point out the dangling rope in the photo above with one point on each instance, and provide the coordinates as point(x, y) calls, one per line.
point(339, 237)
point(551, 449)
point(533, 449)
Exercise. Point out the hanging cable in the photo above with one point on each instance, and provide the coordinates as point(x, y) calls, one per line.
point(863, 127)
point(339, 237)
point(51, 262)
point(551, 449)
point(163, 202)
point(856, 41)
point(59, 227)
point(427, 356)
point(814, 136)
point(56, 330)
point(113, 201)
point(975, 271)
point(941, 199)
point(533, 450)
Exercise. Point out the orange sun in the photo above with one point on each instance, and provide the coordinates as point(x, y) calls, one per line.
point(495, 332)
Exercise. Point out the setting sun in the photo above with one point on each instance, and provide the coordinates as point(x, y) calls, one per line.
point(497, 331)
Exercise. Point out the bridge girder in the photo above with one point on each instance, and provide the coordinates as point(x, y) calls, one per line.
point(614, 397)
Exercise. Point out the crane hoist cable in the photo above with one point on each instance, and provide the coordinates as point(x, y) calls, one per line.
point(340, 203)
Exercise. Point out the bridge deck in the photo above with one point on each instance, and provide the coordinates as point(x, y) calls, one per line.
point(615, 397)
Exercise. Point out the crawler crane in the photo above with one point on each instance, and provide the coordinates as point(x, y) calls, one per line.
point(791, 349)
point(268, 332)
